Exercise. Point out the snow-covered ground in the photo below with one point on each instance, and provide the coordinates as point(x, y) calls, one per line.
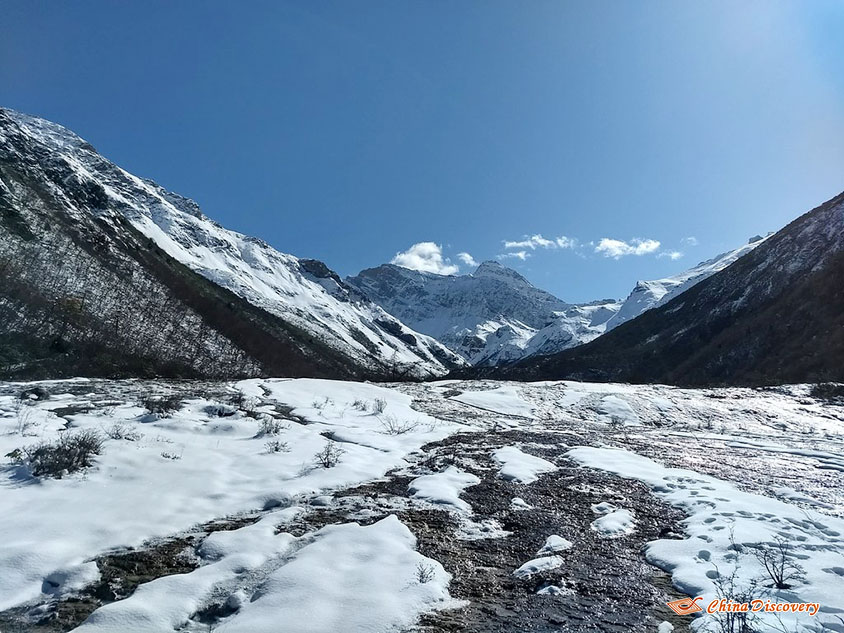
point(750, 470)
point(171, 473)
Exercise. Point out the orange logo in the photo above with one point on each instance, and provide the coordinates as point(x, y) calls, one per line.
point(684, 606)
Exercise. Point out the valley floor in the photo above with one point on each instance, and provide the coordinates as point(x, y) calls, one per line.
point(322, 506)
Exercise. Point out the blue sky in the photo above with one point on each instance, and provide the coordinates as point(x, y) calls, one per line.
point(351, 131)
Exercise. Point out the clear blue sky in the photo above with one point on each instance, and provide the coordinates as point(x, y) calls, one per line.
point(348, 131)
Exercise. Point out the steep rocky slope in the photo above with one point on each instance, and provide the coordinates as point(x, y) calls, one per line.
point(775, 315)
point(107, 273)
point(651, 294)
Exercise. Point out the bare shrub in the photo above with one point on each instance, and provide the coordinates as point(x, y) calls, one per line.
point(168, 455)
point(731, 589)
point(69, 453)
point(425, 572)
point(247, 404)
point(329, 456)
point(779, 563)
point(119, 431)
point(271, 426)
point(162, 405)
point(360, 405)
point(26, 417)
point(393, 426)
point(238, 398)
point(379, 406)
point(616, 423)
point(275, 446)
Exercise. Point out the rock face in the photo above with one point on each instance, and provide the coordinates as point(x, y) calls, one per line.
point(105, 273)
point(774, 315)
point(489, 317)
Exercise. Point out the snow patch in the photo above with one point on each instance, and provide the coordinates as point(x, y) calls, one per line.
point(374, 584)
point(521, 467)
point(444, 488)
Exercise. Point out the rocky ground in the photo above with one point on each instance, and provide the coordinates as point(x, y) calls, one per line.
point(600, 583)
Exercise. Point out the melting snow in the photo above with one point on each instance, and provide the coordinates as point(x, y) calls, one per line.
point(520, 467)
point(444, 488)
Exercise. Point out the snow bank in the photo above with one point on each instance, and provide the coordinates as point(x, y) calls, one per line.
point(166, 603)
point(617, 522)
point(505, 400)
point(517, 503)
point(444, 487)
point(537, 565)
point(520, 467)
point(620, 409)
point(352, 579)
point(554, 544)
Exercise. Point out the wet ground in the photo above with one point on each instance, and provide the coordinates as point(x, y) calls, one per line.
point(604, 584)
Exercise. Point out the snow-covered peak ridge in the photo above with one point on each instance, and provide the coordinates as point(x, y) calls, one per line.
point(49, 133)
point(494, 315)
point(303, 293)
point(487, 316)
point(651, 294)
point(493, 270)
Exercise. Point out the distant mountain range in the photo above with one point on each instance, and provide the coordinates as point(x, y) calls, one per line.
point(103, 273)
point(494, 316)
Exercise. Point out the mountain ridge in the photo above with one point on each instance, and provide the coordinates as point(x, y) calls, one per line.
point(57, 192)
point(775, 315)
point(491, 316)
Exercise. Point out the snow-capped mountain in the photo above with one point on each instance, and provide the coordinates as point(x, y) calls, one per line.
point(495, 316)
point(775, 315)
point(651, 294)
point(489, 316)
point(56, 191)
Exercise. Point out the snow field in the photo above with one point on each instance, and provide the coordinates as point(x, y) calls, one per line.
point(183, 470)
point(724, 526)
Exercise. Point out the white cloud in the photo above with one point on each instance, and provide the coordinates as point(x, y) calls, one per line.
point(523, 255)
point(467, 259)
point(427, 257)
point(537, 241)
point(689, 241)
point(671, 254)
point(619, 248)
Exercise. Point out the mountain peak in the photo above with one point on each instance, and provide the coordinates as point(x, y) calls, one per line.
point(492, 268)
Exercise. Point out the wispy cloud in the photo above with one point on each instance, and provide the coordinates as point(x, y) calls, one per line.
point(671, 254)
point(522, 255)
point(427, 257)
point(467, 259)
point(617, 249)
point(537, 241)
point(689, 241)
